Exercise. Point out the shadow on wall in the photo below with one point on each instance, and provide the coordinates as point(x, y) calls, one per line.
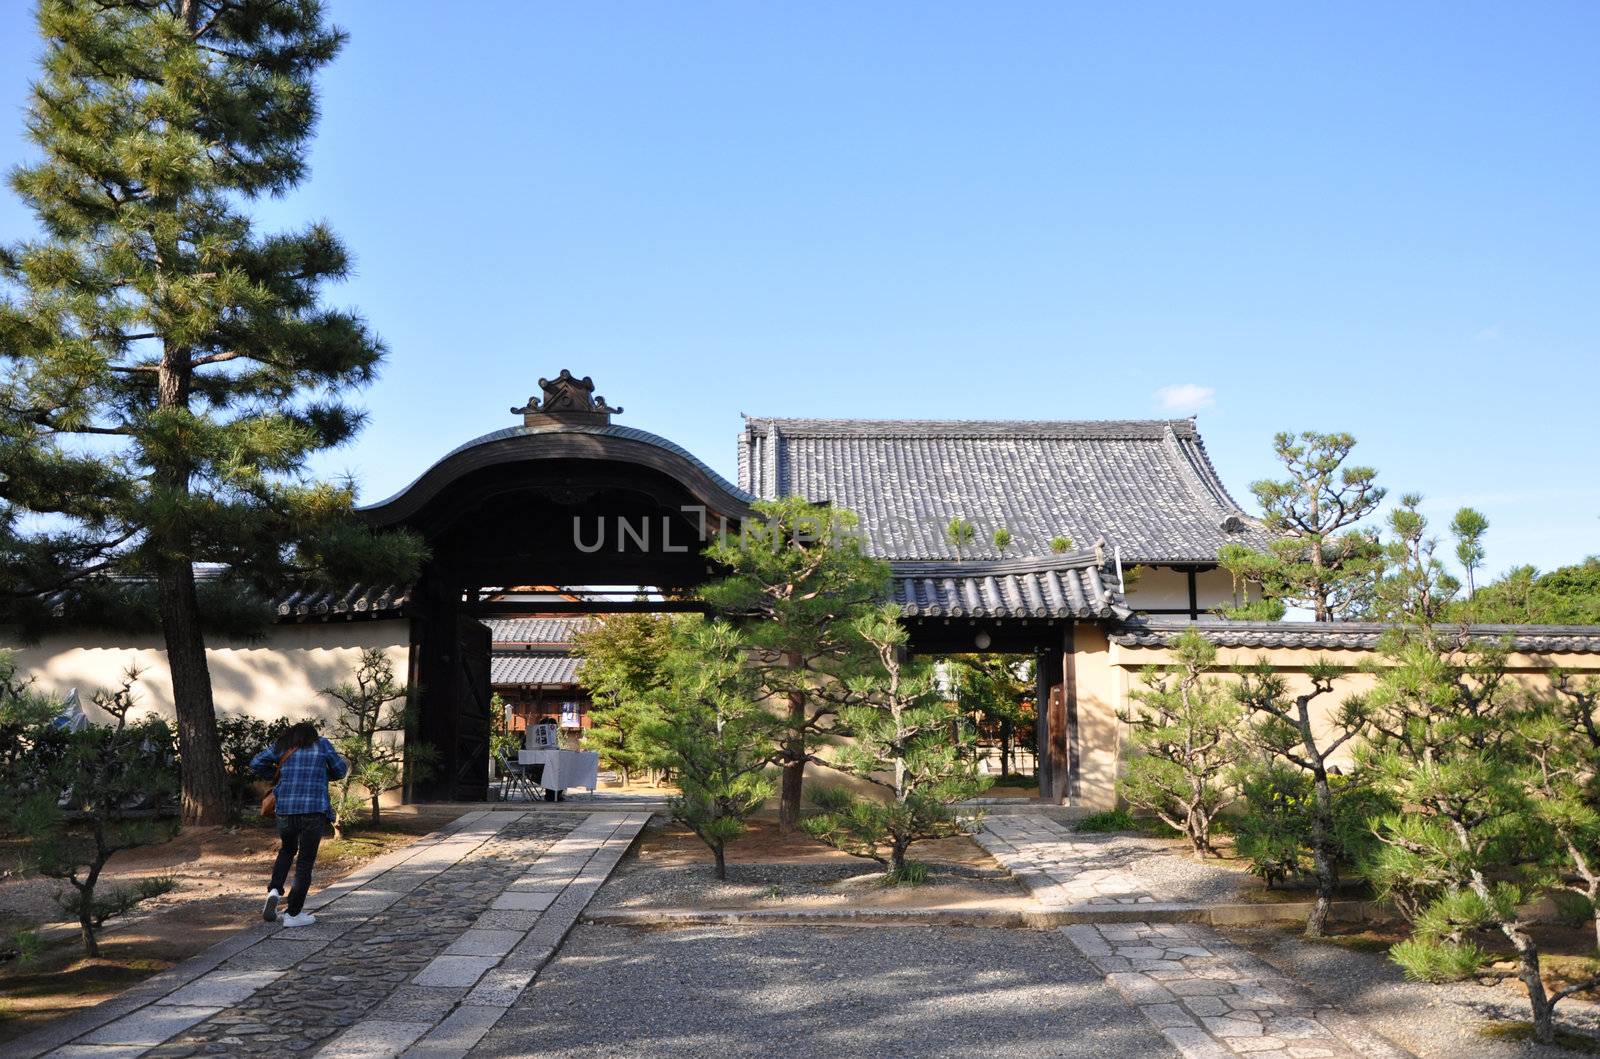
point(281, 674)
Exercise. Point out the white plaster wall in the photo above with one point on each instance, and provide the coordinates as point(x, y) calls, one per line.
point(1162, 587)
point(281, 674)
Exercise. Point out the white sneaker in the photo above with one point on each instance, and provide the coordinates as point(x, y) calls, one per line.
point(269, 911)
point(304, 919)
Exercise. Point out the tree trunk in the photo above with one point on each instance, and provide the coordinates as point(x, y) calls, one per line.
point(794, 765)
point(1005, 748)
point(1322, 857)
point(789, 795)
point(719, 851)
point(205, 783)
point(375, 810)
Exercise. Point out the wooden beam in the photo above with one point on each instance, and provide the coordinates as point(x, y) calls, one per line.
point(1069, 683)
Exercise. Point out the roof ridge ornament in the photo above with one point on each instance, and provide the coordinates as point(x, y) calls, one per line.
point(567, 400)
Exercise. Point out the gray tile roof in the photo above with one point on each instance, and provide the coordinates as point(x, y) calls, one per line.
point(1344, 635)
point(1145, 486)
point(532, 668)
point(536, 630)
point(1063, 587)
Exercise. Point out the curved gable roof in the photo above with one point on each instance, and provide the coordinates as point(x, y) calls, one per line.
point(1146, 486)
point(564, 441)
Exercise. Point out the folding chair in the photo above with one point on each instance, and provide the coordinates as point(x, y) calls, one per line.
point(516, 779)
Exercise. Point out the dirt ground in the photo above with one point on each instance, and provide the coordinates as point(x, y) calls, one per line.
point(671, 868)
point(220, 874)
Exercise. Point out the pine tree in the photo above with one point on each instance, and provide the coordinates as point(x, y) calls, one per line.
point(1451, 746)
point(374, 715)
point(103, 769)
point(1563, 741)
point(169, 369)
point(1185, 729)
point(1285, 732)
point(717, 735)
point(907, 739)
point(1317, 559)
point(796, 582)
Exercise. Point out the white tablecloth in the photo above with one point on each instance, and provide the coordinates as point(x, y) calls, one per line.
point(564, 769)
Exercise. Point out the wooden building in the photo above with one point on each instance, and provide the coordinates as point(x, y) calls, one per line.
point(568, 498)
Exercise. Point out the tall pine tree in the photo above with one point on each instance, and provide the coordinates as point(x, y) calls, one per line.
point(1317, 558)
point(168, 370)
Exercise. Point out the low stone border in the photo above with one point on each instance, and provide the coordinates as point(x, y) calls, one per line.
point(1233, 915)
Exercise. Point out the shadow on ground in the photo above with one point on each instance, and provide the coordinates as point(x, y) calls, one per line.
point(813, 992)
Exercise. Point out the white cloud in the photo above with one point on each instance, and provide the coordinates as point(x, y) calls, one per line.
point(1488, 334)
point(1185, 397)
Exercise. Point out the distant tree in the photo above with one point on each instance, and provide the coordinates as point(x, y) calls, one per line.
point(1289, 732)
point(1468, 528)
point(622, 662)
point(1185, 731)
point(168, 372)
point(105, 770)
point(717, 734)
point(960, 533)
point(1567, 595)
point(1002, 539)
point(997, 688)
point(1061, 544)
point(1317, 559)
point(905, 739)
point(504, 741)
point(796, 583)
point(374, 715)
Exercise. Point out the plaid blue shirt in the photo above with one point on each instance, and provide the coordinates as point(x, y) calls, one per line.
point(303, 786)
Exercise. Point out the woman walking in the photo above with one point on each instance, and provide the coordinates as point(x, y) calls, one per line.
point(303, 763)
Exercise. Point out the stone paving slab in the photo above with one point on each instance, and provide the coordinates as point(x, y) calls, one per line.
point(1213, 1000)
point(1061, 867)
point(345, 985)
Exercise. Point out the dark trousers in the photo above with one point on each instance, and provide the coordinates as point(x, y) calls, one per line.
point(300, 835)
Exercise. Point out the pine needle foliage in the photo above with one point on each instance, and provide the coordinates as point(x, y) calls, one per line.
point(717, 735)
point(906, 739)
point(1288, 735)
point(92, 779)
point(1318, 559)
point(375, 713)
point(1450, 746)
point(1184, 731)
point(168, 370)
point(795, 583)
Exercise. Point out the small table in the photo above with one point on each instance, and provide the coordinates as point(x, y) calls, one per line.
point(563, 768)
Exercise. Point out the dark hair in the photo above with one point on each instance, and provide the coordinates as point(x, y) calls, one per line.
point(298, 737)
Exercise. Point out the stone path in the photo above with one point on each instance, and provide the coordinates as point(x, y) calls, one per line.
point(1061, 867)
point(1207, 996)
point(419, 953)
point(1212, 999)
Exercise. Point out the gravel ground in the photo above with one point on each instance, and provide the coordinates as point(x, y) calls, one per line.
point(819, 992)
point(639, 885)
point(1434, 1021)
point(1166, 871)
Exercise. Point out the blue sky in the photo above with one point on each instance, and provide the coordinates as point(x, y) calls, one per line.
point(1371, 217)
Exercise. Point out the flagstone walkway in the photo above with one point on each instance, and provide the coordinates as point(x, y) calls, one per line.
point(419, 953)
point(1209, 997)
point(1060, 867)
